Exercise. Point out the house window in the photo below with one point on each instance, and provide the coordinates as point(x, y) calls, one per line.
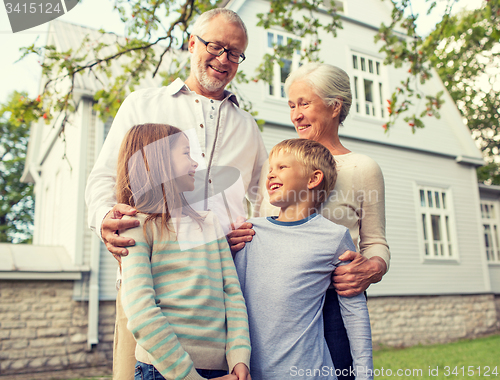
point(368, 86)
point(277, 87)
point(489, 215)
point(437, 223)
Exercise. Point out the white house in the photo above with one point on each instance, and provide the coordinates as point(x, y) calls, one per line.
point(444, 280)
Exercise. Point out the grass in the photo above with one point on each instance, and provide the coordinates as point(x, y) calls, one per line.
point(445, 361)
point(437, 362)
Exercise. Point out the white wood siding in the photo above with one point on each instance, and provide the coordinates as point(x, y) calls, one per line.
point(59, 165)
point(491, 195)
point(409, 274)
point(494, 271)
point(107, 264)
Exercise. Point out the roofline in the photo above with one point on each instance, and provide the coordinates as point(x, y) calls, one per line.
point(24, 275)
point(474, 161)
point(489, 188)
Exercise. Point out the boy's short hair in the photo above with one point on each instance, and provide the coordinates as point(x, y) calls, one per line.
point(313, 156)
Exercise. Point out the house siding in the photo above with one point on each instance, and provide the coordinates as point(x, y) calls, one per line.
point(492, 194)
point(87, 167)
point(60, 168)
point(494, 271)
point(96, 133)
point(408, 274)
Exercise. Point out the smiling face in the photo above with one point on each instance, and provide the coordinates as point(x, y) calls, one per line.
point(313, 120)
point(287, 180)
point(183, 166)
point(210, 74)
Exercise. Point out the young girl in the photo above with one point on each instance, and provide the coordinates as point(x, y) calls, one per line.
point(184, 305)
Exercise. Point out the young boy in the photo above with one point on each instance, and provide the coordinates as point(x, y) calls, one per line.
point(286, 269)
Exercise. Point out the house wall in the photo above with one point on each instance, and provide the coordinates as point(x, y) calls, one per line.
point(493, 267)
point(61, 214)
point(97, 132)
point(409, 321)
point(494, 272)
point(59, 160)
point(42, 329)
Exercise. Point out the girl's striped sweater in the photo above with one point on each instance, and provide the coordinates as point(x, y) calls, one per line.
point(183, 299)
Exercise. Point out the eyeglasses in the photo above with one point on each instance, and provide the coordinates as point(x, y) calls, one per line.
point(218, 50)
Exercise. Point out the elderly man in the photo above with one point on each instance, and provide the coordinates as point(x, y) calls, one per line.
point(227, 137)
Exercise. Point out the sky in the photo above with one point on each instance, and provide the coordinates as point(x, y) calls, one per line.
point(25, 75)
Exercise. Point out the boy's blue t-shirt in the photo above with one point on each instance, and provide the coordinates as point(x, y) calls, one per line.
point(284, 274)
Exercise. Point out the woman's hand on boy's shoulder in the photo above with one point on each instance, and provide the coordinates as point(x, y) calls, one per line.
point(242, 372)
point(241, 233)
point(112, 223)
point(354, 278)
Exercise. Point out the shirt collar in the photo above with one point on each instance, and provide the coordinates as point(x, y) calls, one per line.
point(274, 220)
point(179, 86)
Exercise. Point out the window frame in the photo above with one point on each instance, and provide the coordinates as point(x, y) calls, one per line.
point(278, 86)
point(447, 225)
point(494, 223)
point(378, 107)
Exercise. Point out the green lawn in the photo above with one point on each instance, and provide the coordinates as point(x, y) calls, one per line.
point(467, 359)
point(438, 362)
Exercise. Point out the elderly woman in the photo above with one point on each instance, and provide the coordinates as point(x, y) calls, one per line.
point(319, 96)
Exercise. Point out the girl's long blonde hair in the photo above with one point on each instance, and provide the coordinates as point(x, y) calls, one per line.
point(145, 179)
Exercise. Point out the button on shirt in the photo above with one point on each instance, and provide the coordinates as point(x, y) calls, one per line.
point(230, 139)
point(211, 109)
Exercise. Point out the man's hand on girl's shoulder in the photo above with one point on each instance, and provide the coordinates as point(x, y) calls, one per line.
point(112, 223)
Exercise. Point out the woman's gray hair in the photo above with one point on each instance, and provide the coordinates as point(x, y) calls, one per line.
point(329, 82)
point(201, 24)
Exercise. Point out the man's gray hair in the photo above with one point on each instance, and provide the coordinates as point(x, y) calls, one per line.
point(329, 82)
point(201, 24)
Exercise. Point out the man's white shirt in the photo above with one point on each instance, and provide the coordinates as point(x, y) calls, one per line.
point(222, 138)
